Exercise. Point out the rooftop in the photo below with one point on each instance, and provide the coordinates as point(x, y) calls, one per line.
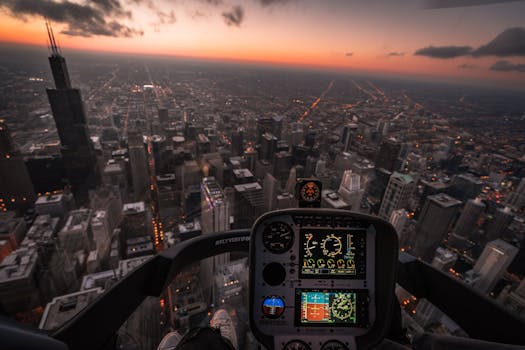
point(444, 200)
point(133, 208)
point(64, 307)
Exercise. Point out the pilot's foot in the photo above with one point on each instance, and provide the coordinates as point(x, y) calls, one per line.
point(196, 338)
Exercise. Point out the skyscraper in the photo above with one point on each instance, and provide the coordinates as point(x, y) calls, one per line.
point(348, 136)
point(501, 220)
point(466, 222)
point(215, 217)
point(77, 150)
point(400, 188)
point(517, 198)
point(139, 169)
point(388, 154)
point(492, 263)
point(436, 217)
point(350, 189)
point(16, 189)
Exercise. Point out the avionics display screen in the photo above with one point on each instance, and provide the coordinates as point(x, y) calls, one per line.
point(331, 308)
point(332, 253)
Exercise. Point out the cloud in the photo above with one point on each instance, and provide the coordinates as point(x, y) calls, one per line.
point(506, 66)
point(97, 17)
point(234, 17)
point(396, 54)
point(511, 42)
point(272, 2)
point(444, 51)
point(441, 4)
point(349, 54)
point(467, 66)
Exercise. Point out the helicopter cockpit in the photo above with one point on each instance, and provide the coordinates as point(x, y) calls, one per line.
point(319, 279)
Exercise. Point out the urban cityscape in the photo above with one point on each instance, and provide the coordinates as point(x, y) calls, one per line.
point(108, 159)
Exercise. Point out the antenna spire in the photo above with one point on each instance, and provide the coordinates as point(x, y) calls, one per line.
point(52, 42)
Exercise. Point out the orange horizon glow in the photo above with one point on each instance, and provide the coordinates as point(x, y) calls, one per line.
point(316, 50)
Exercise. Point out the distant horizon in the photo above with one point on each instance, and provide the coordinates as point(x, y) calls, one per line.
point(387, 75)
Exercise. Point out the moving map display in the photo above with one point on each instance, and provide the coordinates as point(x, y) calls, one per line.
point(331, 308)
point(332, 254)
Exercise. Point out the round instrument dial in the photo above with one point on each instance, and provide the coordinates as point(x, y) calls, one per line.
point(296, 345)
point(343, 307)
point(332, 246)
point(310, 192)
point(278, 237)
point(334, 345)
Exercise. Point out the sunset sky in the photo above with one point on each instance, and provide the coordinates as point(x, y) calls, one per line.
point(395, 36)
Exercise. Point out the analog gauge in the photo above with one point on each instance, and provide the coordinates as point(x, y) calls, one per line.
point(310, 192)
point(278, 237)
point(331, 246)
point(343, 307)
point(334, 345)
point(296, 345)
point(310, 244)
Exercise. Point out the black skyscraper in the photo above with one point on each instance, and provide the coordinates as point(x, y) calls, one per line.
point(68, 110)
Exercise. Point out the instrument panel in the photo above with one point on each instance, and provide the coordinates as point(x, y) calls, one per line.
point(313, 278)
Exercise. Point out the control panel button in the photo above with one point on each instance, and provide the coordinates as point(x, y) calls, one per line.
point(274, 274)
point(273, 307)
point(296, 345)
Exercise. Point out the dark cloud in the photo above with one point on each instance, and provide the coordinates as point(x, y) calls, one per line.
point(444, 51)
point(272, 2)
point(98, 17)
point(441, 4)
point(511, 42)
point(467, 66)
point(506, 66)
point(396, 54)
point(349, 54)
point(234, 17)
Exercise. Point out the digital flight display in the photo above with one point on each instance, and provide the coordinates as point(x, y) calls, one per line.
point(331, 308)
point(333, 253)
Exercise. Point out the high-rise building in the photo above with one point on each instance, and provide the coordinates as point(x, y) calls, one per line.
point(400, 188)
point(249, 204)
point(492, 264)
point(351, 190)
point(501, 220)
point(516, 199)
point(16, 188)
point(388, 154)
point(238, 142)
point(77, 150)
point(465, 186)
point(348, 136)
point(139, 167)
point(399, 219)
point(466, 222)
point(437, 215)
point(271, 190)
point(76, 235)
point(215, 217)
point(268, 146)
point(444, 259)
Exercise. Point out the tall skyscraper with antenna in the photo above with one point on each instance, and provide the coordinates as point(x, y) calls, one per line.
point(66, 103)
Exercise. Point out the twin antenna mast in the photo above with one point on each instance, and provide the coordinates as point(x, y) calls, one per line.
point(52, 45)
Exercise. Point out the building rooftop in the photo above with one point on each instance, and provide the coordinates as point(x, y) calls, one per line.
point(444, 200)
point(242, 173)
point(19, 264)
point(133, 208)
point(77, 220)
point(211, 189)
point(64, 307)
point(53, 198)
point(403, 177)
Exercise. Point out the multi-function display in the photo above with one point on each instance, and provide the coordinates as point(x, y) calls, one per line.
point(332, 253)
point(332, 307)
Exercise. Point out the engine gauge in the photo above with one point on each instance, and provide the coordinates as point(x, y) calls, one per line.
point(278, 237)
point(310, 192)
